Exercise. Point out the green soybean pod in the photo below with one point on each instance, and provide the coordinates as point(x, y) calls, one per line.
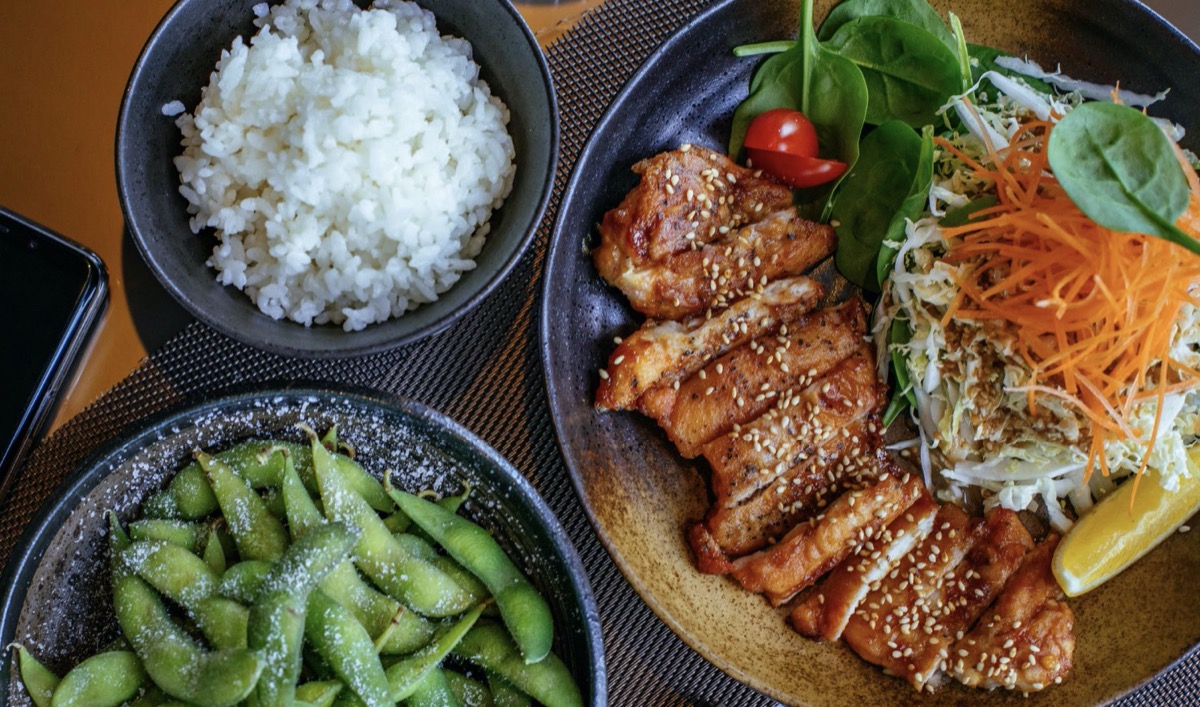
point(243, 581)
point(433, 691)
point(214, 553)
point(406, 674)
point(505, 695)
point(336, 635)
point(319, 693)
point(523, 609)
point(187, 580)
point(412, 581)
point(39, 681)
point(104, 680)
point(176, 532)
point(471, 693)
point(421, 548)
point(189, 496)
point(171, 658)
point(274, 502)
point(548, 681)
point(259, 535)
point(390, 624)
point(277, 618)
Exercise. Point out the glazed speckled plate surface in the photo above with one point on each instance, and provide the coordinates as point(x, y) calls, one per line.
point(641, 495)
point(57, 597)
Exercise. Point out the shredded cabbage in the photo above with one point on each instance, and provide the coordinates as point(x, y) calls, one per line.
point(977, 442)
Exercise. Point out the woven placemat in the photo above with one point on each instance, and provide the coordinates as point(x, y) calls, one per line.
point(486, 373)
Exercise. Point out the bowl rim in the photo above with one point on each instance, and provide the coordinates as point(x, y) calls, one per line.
point(29, 552)
point(348, 349)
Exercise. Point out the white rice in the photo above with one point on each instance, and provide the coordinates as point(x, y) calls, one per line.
point(348, 160)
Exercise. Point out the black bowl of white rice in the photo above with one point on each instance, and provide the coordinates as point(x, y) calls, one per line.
point(324, 178)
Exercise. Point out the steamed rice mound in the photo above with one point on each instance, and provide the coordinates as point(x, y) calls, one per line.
point(347, 159)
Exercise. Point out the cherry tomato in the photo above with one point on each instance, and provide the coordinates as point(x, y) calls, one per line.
point(782, 130)
point(796, 171)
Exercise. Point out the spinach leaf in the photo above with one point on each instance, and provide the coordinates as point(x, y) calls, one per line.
point(875, 189)
point(914, 12)
point(909, 72)
point(902, 394)
point(1121, 171)
point(963, 214)
point(910, 209)
point(961, 51)
point(826, 87)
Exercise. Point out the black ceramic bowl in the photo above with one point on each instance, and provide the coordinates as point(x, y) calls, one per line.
point(176, 63)
point(56, 594)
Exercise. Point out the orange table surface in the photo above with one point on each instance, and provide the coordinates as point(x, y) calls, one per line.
point(63, 68)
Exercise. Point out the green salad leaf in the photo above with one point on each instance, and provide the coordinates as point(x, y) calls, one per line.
point(909, 73)
point(915, 12)
point(890, 183)
point(1121, 171)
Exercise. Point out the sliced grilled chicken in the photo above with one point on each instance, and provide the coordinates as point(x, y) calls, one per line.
point(662, 353)
point(1025, 641)
point(811, 549)
point(684, 199)
point(802, 491)
point(744, 383)
point(797, 427)
point(910, 622)
point(828, 608)
point(738, 264)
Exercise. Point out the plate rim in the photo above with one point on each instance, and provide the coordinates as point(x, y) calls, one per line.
point(44, 525)
point(559, 248)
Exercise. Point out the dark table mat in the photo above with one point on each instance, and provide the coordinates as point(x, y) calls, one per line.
point(486, 373)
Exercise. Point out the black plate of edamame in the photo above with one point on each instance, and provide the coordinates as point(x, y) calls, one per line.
point(57, 591)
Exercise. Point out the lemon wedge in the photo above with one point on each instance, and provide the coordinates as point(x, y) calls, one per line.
point(1109, 538)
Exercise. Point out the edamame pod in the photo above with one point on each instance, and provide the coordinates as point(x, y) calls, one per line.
point(259, 535)
point(171, 658)
point(214, 552)
point(39, 681)
point(318, 693)
point(393, 628)
point(176, 532)
point(187, 580)
point(523, 609)
point(433, 691)
point(414, 582)
point(104, 680)
point(277, 617)
point(471, 693)
point(406, 674)
point(548, 681)
point(336, 635)
point(422, 549)
point(505, 695)
point(243, 581)
point(189, 496)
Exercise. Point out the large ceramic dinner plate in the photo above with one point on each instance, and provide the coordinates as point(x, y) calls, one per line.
point(57, 596)
point(641, 495)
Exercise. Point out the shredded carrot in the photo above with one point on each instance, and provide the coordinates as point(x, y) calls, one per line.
point(1092, 310)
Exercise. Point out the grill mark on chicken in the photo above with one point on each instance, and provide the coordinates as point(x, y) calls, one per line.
point(909, 624)
point(744, 383)
point(661, 353)
point(695, 191)
point(737, 264)
point(802, 491)
point(1026, 641)
point(795, 429)
point(811, 549)
point(828, 608)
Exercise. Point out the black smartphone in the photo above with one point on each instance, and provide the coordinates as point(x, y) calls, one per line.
point(55, 291)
